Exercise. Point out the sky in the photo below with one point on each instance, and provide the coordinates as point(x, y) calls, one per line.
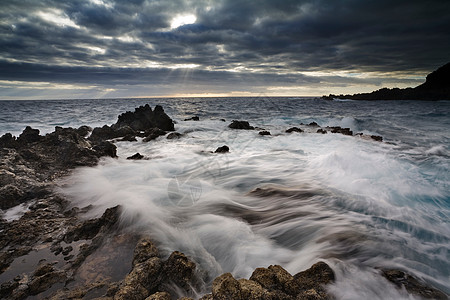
point(58, 49)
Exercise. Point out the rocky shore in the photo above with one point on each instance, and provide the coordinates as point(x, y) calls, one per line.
point(69, 257)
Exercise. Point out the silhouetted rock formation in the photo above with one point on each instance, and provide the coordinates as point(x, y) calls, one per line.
point(436, 87)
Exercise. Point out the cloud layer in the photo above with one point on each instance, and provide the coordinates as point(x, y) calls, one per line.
point(233, 46)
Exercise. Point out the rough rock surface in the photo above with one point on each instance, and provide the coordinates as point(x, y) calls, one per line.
point(240, 125)
point(222, 149)
point(144, 118)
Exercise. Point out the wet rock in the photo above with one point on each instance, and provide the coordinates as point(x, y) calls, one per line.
point(222, 149)
point(145, 249)
point(152, 134)
point(240, 125)
point(84, 130)
point(338, 129)
point(128, 138)
point(67, 250)
point(412, 285)
point(312, 280)
point(174, 135)
point(226, 287)
point(10, 196)
point(159, 296)
point(194, 118)
point(141, 281)
point(377, 138)
point(264, 132)
point(43, 282)
point(313, 124)
point(275, 278)
point(90, 228)
point(107, 133)
point(105, 148)
point(143, 118)
point(294, 129)
point(136, 156)
point(253, 291)
point(180, 270)
point(322, 131)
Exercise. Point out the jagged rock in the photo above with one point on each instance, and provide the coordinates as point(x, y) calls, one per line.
point(226, 287)
point(377, 138)
point(40, 283)
point(84, 130)
point(180, 270)
point(10, 195)
point(322, 131)
point(143, 118)
point(275, 278)
point(29, 135)
point(105, 148)
point(8, 141)
point(313, 124)
point(174, 135)
point(338, 129)
point(136, 156)
point(264, 132)
point(90, 228)
point(153, 133)
point(194, 118)
point(412, 285)
point(314, 279)
point(107, 133)
point(240, 125)
point(145, 249)
point(222, 149)
point(294, 129)
point(252, 290)
point(141, 281)
point(159, 296)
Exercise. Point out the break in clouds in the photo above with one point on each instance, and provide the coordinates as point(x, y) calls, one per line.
point(98, 48)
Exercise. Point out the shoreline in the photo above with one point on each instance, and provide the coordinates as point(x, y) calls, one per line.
point(31, 165)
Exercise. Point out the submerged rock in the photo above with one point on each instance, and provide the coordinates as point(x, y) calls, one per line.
point(136, 156)
point(264, 132)
point(174, 135)
point(338, 129)
point(240, 125)
point(322, 131)
point(376, 138)
point(194, 118)
point(294, 129)
point(412, 285)
point(153, 133)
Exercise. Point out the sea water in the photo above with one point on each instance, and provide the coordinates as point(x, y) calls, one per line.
point(287, 199)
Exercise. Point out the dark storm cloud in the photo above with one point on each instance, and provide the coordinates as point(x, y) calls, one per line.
point(271, 41)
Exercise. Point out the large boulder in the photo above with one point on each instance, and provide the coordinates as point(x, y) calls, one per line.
point(240, 125)
point(144, 118)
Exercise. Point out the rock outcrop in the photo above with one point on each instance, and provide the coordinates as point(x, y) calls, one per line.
point(240, 125)
point(436, 87)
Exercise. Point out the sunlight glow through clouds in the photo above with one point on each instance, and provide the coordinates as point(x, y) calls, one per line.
point(181, 20)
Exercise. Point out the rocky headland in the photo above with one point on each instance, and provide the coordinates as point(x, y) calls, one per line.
point(70, 257)
point(436, 87)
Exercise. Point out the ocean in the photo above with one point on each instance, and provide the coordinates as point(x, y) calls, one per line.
point(288, 199)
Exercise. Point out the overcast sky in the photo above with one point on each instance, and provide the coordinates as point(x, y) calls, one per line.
point(144, 48)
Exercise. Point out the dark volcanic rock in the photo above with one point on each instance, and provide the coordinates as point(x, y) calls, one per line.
point(264, 132)
point(294, 129)
point(153, 133)
point(180, 270)
point(107, 133)
point(8, 141)
point(412, 285)
point(338, 129)
point(84, 130)
point(144, 118)
point(29, 135)
point(436, 87)
point(240, 125)
point(377, 138)
point(223, 149)
point(174, 135)
point(136, 156)
point(128, 138)
point(313, 124)
point(194, 118)
point(322, 131)
point(105, 148)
